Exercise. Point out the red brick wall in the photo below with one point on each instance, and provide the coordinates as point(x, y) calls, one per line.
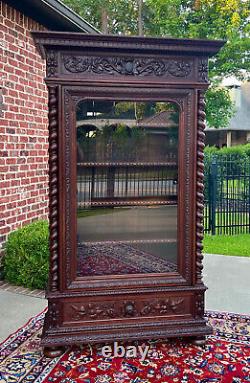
point(23, 124)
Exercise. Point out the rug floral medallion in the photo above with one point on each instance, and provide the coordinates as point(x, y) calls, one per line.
point(225, 358)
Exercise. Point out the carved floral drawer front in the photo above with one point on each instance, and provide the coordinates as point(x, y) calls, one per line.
point(79, 311)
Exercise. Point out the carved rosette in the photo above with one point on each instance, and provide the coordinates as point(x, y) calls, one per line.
point(199, 304)
point(203, 70)
point(52, 63)
point(200, 186)
point(53, 314)
point(53, 186)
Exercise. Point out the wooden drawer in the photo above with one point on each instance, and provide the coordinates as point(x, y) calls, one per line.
point(76, 311)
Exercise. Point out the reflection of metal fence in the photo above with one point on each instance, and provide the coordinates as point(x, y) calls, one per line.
point(227, 196)
point(227, 189)
point(99, 182)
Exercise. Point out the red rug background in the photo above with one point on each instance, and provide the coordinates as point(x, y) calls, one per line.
point(225, 358)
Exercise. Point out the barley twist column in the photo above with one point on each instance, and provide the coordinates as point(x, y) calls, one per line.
point(53, 187)
point(200, 185)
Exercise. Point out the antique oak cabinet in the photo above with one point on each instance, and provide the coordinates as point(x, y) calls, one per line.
point(126, 139)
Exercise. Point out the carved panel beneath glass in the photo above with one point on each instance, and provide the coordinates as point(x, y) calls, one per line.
point(127, 187)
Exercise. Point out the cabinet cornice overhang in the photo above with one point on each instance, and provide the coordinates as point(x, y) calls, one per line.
point(152, 45)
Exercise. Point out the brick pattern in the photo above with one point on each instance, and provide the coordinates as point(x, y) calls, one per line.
point(23, 124)
point(4, 286)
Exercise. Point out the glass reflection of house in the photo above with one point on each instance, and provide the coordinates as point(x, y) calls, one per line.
point(161, 132)
point(130, 149)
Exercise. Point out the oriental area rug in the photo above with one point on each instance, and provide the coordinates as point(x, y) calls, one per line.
point(119, 258)
point(224, 359)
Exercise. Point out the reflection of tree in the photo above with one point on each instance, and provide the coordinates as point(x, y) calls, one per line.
point(86, 143)
point(111, 143)
point(140, 110)
point(128, 131)
point(137, 110)
point(165, 107)
point(120, 142)
point(127, 142)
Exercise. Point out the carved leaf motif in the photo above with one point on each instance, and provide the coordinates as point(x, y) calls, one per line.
point(93, 311)
point(146, 309)
point(109, 66)
point(176, 303)
point(166, 306)
point(76, 64)
point(147, 67)
point(179, 68)
point(80, 311)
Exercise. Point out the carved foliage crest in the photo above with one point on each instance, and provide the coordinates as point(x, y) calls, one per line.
point(127, 66)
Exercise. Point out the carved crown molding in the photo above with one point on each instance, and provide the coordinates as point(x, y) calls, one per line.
point(128, 66)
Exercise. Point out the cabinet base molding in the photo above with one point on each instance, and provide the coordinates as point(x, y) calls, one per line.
point(77, 320)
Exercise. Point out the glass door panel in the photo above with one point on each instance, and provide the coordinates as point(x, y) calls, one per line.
point(127, 187)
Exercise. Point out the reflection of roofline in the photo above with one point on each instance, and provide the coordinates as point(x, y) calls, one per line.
point(100, 123)
point(53, 14)
point(161, 119)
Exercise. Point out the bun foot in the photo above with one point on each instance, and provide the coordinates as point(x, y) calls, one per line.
point(201, 342)
point(53, 352)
